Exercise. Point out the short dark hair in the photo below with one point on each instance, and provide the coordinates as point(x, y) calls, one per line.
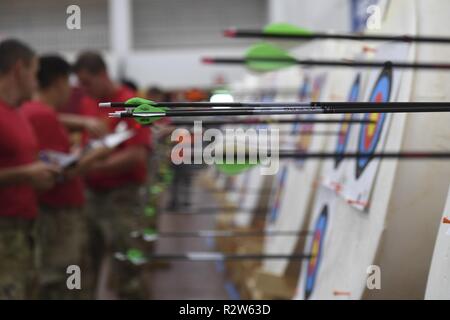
point(90, 61)
point(154, 91)
point(129, 84)
point(52, 67)
point(11, 51)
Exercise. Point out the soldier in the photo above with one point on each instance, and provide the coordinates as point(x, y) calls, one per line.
point(21, 173)
point(117, 184)
point(61, 227)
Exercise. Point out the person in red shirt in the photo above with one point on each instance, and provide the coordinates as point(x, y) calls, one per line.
point(117, 184)
point(21, 173)
point(62, 229)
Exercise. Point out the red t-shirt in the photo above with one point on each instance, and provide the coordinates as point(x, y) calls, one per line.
point(138, 173)
point(18, 146)
point(52, 135)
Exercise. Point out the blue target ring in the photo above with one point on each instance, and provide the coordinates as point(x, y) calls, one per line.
point(304, 93)
point(345, 128)
point(370, 134)
point(316, 250)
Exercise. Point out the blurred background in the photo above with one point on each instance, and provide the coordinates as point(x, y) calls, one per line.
point(160, 42)
point(152, 49)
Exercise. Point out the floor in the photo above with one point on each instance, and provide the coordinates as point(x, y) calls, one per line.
point(183, 279)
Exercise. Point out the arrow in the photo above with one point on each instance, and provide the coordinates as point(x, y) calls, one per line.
point(265, 191)
point(213, 211)
point(265, 57)
point(294, 134)
point(246, 121)
point(148, 113)
point(137, 257)
point(284, 31)
point(150, 235)
point(237, 168)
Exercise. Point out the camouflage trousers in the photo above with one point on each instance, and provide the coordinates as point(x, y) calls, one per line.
point(61, 242)
point(113, 215)
point(18, 278)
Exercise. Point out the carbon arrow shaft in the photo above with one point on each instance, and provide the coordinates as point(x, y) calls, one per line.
point(255, 109)
point(229, 234)
point(217, 256)
point(294, 154)
point(275, 121)
point(246, 33)
point(330, 63)
point(316, 104)
point(215, 210)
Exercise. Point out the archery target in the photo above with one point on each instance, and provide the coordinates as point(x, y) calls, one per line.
point(333, 171)
point(438, 285)
point(304, 93)
point(398, 231)
point(293, 212)
point(304, 131)
point(345, 128)
point(382, 86)
point(370, 134)
point(315, 246)
point(301, 182)
point(315, 250)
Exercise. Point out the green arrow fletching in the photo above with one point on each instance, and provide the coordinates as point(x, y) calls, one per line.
point(285, 28)
point(135, 256)
point(138, 101)
point(150, 212)
point(235, 168)
point(144, 108)
point(268, 51)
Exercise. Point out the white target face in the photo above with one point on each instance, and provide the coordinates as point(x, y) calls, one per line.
point(438, 286)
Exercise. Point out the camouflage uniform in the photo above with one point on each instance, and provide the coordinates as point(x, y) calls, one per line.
point(113, 215)
point(18, 279)
point(61, 242)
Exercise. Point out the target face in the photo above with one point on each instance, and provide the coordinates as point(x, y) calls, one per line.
point(303, 131)
point(317, 86)
point(316, 251)
point(370, 134)
point(305, 90)
point(279, 192)
point(344, 128)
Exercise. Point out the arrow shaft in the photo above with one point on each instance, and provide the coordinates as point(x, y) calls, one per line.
point(213, 210)
point(257, 109)
point(294, 134)
point(216, 256)
point(241, 157)
point(230, 234)
point(331, 63)
point(315, 36)
point(419, 155)
point(278, 121)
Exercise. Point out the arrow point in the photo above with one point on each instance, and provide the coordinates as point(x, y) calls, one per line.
point(207, 60)
point(230, 33)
